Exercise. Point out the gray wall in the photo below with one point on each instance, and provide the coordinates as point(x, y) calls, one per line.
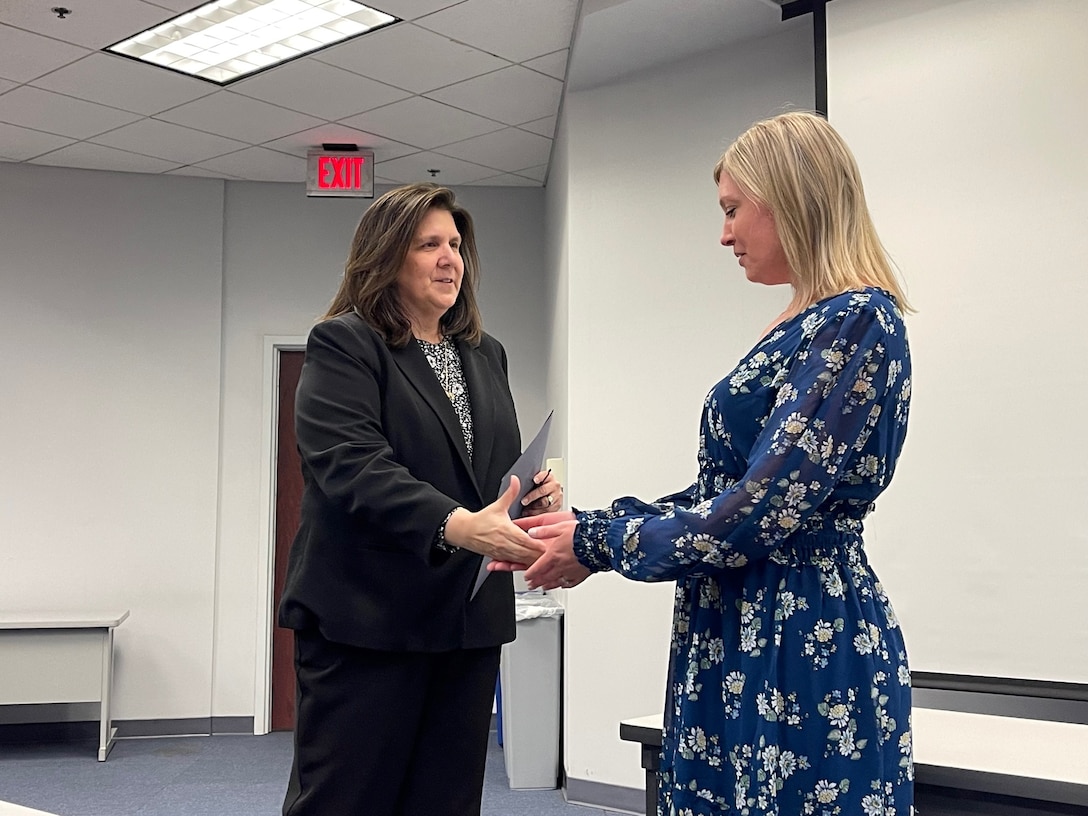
point(134, 311)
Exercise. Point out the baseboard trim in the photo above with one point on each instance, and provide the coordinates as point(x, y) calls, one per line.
point(941, 800)
point(607, 797)
point(88, 730)
point(1032, 792)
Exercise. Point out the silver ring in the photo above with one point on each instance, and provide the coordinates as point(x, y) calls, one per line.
point(565, 582)
point(551, 499)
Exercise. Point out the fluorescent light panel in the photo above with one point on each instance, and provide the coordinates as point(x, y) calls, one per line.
point(227, 39)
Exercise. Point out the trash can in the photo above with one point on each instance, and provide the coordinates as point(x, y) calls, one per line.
point(529, 673)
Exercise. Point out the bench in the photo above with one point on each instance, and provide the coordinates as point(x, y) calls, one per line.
point(985, 753)
point(60, 658)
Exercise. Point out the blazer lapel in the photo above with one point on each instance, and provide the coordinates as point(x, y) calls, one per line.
point(482, 390)
point(413, 364)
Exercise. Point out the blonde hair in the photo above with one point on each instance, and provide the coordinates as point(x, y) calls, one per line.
point(378, 250)
point(799, 167)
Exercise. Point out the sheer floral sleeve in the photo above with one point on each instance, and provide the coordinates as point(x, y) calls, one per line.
point(593, 525)
point(842, 383)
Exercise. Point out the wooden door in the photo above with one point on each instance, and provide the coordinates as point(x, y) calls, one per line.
point(288, 508)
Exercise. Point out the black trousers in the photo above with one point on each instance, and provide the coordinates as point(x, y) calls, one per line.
point(389, 733)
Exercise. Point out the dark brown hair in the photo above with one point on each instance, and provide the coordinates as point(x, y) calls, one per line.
point(378, 250)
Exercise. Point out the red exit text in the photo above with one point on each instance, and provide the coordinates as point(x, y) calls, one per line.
point(340, 172)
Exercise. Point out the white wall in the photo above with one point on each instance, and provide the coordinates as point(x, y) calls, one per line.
point(110, 325)
point(557, 219)
point(658, 312)
point(133, 311)
point(972, 149)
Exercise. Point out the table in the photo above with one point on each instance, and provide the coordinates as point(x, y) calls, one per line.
point(647, 731)
point(9, 809)
point(60, 658)
point(1031, 759)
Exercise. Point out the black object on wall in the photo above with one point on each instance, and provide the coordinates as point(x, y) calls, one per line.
point(818, 10)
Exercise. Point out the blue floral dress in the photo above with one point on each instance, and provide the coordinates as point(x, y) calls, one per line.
point(789, 692)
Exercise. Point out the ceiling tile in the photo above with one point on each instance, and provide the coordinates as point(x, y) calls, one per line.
point(25, 56)
point(409, 57)
point(517, 30)
point(543, 127)
point(19, 144)
point(319, 89)
point(420, 122)
point(508, 150)
point(176, 6)
point(540, 172)
point(512, 95)
point(299, 144)
point(200, 172)
point(63, 115)
point(97, 157)
point(411, 9)
point(504, 180)
point(554, 64)
point(124, 83)
point(238, 117)
point(259, 164)
point(163, 140)
point(94, 25)
point(417, 166)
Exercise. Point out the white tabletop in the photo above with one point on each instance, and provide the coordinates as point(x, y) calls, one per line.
point(1036, 749)
point(54, 619)
point(651, 721)
point(8, 809)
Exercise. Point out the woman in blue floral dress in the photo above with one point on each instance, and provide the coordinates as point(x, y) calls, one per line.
point(789, 692)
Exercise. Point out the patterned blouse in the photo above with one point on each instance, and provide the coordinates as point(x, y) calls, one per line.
point(446, 364)
point(789, 692)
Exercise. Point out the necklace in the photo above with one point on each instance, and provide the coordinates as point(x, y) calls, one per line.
point(440, 354)
point(447, 383)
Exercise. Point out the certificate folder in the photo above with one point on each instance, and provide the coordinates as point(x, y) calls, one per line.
point(525, 468)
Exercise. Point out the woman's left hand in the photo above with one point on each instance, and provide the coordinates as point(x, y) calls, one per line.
point(546, 497)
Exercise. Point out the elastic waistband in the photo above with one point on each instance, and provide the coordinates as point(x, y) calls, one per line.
point(826, 544)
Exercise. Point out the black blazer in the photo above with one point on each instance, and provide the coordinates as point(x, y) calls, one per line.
point(384, 461)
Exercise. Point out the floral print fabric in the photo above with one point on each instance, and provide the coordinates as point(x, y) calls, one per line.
point(789, 692)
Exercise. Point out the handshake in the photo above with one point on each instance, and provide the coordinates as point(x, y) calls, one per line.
point(556, 565)
point(540, 541)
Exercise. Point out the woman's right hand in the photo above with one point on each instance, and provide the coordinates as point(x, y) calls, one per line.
point(490, 531)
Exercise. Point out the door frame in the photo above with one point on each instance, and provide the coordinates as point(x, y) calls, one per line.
point(266, 546)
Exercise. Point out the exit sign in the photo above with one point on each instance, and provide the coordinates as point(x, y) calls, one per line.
point(347, 174)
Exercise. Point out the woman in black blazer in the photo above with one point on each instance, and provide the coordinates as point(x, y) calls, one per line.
point(405, 426)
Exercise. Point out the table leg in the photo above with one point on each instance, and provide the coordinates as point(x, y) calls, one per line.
point(651, 761)
point(106, 730)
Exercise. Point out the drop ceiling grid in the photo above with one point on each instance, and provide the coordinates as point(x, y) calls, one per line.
point(93, 26)
point(417, 167)
point(61, 99)
point(168, 141)
point(25, 55)
point(507, 150)
point(121, 83)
